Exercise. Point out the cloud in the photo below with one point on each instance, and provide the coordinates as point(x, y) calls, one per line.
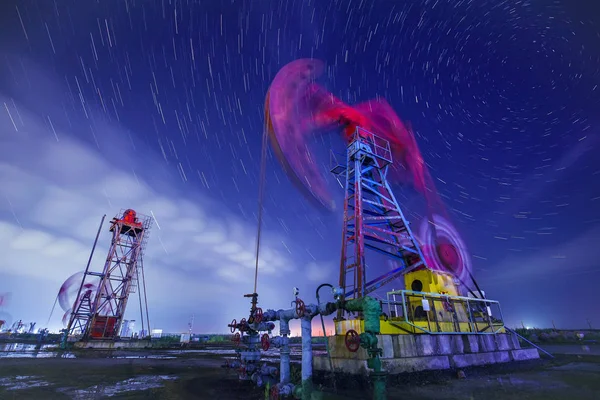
point(320, 272)
point(54, 193)
point(554, 261)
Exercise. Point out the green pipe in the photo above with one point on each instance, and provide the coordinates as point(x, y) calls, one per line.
point(371, 309)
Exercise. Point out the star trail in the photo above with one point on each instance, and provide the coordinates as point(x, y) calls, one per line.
point(502, 95)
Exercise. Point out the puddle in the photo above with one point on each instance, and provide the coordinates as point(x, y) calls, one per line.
point(20, 382)
point(21, 350)
point(36, 354)
point(211, 351)
point(155, 357)
point(143, 382)
point(26, 347)
point(269, 359)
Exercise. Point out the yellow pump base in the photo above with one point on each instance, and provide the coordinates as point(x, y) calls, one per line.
point(431, 305)
point(428, 326)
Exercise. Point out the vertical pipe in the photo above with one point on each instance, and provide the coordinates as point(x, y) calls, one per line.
point(305, 324)
point(284, 358)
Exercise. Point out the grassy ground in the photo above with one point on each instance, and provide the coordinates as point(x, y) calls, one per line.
point(200, 377)
point(95, 378)
point(566, 377)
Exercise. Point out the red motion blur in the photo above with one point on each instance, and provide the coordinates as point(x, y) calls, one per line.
point(297, 108)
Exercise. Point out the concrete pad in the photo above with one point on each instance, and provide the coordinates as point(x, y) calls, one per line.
point(444, 346)
point(486, 343)
point(501, 356)
point(355, 367)
point(514, 341)
point(524, 354)
point(457, 344)
point(384, 342)
point(426, 345)
point(466, 360)
point(502, 342)
point(413, 364)
point(404, 346)
point(471, 344)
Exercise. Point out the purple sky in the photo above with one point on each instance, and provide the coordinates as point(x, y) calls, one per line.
point(157, 106)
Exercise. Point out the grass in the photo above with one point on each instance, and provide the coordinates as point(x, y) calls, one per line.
point(555, 336)
point(200, 377)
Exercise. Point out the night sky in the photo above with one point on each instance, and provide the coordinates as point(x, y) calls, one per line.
point(158, 105)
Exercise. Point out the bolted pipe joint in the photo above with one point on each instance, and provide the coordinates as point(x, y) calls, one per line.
point(284, 323)
point(328, 308)
point(368, 341)
point(282, 390)
point(251, 368)
point(371, 309)
point(269, 315)
point(267, 370)
point(261, 379)
point(311, 310)
point(277, 341)
point(263, 326)
point(286, 315)
point(252, 340)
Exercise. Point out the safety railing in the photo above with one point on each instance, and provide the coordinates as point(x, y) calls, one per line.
point(421, 312)
point(337, 163)
point(379, 147)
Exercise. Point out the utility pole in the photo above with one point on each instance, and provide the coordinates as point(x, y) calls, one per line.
point(553, 325)
point(589, 323)
point(191, 325)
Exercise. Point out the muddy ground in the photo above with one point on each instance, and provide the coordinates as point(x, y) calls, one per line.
point(200, 376)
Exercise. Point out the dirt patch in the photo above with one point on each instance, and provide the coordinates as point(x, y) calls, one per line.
point(118, 378)
point(200, 376)
point(566, 377)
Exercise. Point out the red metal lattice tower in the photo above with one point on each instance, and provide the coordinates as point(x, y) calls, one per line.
point(99, 314)
point(373, 219)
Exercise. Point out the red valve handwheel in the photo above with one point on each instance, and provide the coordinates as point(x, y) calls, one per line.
point(300, 308)
point(352, 341)
point(265, 342)
point(242, 324)
point(258, 315)
point(237, 338)
point(274, 393)
point(233, 325)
